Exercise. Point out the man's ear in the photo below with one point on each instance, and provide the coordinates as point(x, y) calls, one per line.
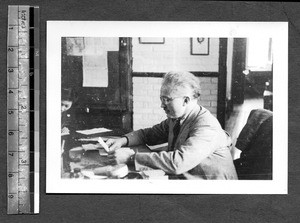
point(187, 100)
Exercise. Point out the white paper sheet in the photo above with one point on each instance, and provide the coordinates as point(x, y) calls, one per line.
point(93, 131)
point(95, 71)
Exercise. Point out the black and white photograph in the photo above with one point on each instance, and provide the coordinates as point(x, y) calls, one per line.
point(167, 107)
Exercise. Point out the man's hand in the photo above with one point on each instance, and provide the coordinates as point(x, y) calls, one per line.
point(114, 144)
point(120, 156)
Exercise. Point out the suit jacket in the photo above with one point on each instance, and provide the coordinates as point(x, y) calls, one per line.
point(201, 151)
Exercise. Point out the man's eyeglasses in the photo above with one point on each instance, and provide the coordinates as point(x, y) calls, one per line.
point(167, 100)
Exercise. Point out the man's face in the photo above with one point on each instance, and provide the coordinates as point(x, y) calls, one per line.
point(65, 105)
point(172, 101)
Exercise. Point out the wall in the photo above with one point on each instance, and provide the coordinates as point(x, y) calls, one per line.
point(146, 102)
point(160, 58)
point(174, 54)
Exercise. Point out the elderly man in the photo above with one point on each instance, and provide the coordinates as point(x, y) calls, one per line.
point(198, 148)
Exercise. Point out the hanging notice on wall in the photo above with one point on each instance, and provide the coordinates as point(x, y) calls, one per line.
point(95, 68)
point(95, 71)
point(94, 57)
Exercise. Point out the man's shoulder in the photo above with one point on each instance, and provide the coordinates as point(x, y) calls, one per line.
point(203, 114)
point(205, 117)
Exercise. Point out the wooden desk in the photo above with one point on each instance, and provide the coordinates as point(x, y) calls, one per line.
point(88, 159)
point(91, 159)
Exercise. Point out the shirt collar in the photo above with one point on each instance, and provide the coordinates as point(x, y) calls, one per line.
point(185, 116)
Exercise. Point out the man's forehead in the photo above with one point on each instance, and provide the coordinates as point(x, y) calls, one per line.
point(172, 91)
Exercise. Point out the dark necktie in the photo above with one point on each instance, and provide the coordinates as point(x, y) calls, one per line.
point(176, 130)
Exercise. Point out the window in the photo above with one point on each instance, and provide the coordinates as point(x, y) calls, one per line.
point(259, 54)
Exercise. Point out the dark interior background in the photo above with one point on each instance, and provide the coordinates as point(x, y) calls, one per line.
point(159, 208)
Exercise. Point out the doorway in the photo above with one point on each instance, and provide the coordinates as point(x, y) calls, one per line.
point(251, 76)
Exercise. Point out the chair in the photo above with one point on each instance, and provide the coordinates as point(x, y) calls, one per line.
point(255, 142)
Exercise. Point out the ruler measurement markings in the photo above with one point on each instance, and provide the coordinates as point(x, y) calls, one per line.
point(12, 63)
point(22, 67)
point(23, 98)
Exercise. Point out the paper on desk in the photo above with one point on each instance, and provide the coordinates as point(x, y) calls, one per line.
point(99, 140)
point(93, 131)
point(87, 147)
point(150, 173)
point(90, 174)
point(65, 133)
point(103, 144)
point(154, 174)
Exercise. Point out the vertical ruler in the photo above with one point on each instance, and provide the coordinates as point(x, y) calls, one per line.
point(23, 110)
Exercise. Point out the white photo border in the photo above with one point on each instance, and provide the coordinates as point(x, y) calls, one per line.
point(278, 31)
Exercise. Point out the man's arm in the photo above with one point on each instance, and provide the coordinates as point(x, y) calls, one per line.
point(157, 134)
point(202, 142)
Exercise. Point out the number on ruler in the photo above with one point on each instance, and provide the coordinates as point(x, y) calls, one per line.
point(10, 70)
point(10, 133)
point(23, 14)
point(10, 175)
point(10, 92)
point(10, 112)
point(11, 196)
point(23, 161)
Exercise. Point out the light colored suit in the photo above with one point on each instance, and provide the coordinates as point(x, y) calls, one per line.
point(201, 150)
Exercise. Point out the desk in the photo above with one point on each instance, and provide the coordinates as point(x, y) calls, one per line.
point(90, 159)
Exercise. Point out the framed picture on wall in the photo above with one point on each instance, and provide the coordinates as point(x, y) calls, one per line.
point(199, 46)
point(151, 40)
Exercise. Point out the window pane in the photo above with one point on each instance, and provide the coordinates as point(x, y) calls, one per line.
point(259, 54)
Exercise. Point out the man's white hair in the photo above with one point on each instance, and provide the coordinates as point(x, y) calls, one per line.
point(182, 79)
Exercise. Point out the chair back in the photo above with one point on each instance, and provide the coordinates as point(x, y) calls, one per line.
point(255, 142)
